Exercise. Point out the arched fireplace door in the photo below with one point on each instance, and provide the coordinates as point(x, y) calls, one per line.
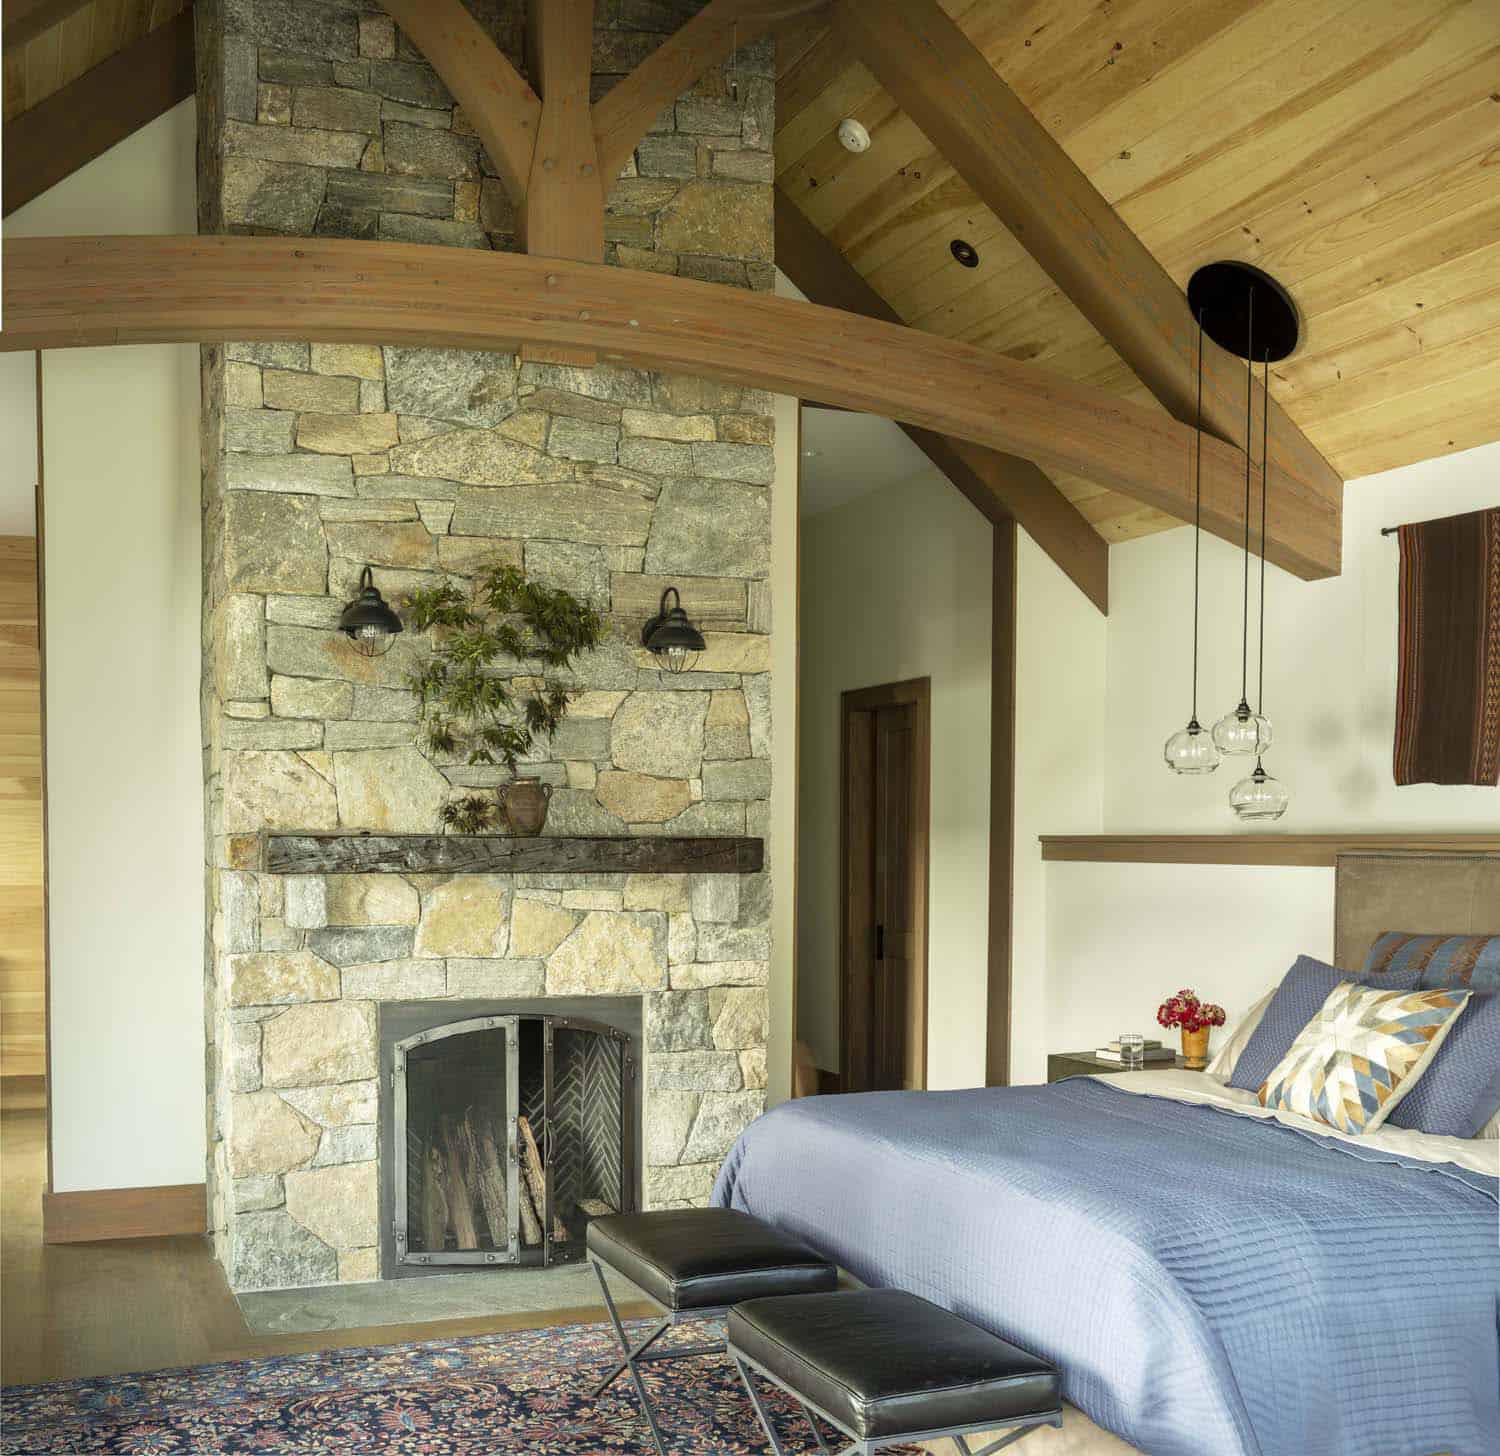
point(511, 1133)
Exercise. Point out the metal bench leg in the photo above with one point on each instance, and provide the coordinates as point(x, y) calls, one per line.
point(629, 1361)
point(760, 1410)
point(1007, 1440)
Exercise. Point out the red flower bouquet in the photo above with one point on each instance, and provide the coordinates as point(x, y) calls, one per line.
point(1194, 1017)
point(1187, 1011)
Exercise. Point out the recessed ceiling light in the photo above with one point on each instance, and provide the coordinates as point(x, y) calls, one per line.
point(853, 136)
point(965, 252)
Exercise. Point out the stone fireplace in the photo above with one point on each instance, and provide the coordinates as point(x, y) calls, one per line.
point(318, 118)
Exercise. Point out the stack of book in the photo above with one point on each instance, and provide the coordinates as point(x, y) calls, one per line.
point(1153, 1051)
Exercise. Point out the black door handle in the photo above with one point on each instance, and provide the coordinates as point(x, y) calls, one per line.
point(880, 942)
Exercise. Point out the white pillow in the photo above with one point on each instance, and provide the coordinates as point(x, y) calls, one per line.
point(1229, 1053)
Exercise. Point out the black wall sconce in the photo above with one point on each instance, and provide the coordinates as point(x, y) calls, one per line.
point(670, 637)
point(367, 621)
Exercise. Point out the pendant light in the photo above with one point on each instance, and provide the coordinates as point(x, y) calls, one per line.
point(1241, 730)
point(1191, 750)
point(1258, 796)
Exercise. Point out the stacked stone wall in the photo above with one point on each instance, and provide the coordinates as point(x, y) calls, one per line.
point(318, 118)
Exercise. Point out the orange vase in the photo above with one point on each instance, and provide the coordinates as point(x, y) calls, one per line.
point(1195, 1047)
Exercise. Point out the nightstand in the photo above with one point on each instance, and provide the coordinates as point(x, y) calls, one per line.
point(1084, 1064)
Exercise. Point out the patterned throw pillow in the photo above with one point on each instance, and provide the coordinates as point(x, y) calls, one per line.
point(1361, 1053)
point(1437, 960)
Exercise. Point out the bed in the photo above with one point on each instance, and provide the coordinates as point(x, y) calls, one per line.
point(1213, 1279)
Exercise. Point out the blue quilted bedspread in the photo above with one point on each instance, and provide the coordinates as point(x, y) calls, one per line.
point(1209, 1284)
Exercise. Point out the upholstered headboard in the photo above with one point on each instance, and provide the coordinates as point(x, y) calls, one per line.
point(1455, 894)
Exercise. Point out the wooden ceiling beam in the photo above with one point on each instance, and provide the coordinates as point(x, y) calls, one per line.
point(624, 114)
point(1001, 487)
point(27, 19)
point(496, 98)
point(102, 107)
point(68, 292)
point(948, 88)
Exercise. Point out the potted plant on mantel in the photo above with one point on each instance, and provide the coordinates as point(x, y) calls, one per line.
point(485, 692)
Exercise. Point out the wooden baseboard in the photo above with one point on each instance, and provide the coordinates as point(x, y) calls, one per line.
point(96, 1214)
point(829, 1081)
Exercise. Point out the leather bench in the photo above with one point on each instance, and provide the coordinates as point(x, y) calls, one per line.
point(695, 1263)
point(885, 1367)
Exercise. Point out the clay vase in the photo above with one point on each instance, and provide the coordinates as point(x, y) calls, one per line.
point(523, 805)
point(1195, 1047)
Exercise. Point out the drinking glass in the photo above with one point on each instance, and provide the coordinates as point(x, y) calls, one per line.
point(1132, 1050)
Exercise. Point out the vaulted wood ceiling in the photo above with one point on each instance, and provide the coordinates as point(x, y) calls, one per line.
point(1350, 147)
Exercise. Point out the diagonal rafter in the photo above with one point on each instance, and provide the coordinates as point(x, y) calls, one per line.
point(496, 98)
point(1001, 487)
point(624, 114)
point(948, 88)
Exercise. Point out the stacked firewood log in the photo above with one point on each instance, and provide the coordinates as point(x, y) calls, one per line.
point(464, 1181)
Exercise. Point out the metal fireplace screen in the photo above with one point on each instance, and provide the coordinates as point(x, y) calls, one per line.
point(512, 1132)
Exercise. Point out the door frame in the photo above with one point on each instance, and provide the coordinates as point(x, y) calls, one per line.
point(916, 693)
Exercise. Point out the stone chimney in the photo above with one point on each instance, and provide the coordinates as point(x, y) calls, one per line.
point(318, 118)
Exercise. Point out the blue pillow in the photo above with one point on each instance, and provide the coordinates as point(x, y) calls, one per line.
point(1459, 1090)
point(1302, 992)
point(1438, 961)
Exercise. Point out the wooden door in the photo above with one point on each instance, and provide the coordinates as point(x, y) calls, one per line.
point(884, 1020)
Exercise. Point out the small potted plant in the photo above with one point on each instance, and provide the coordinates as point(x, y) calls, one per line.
point(484, 692)
point(1195, 1017)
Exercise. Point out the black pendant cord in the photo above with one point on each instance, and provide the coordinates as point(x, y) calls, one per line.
point(1197, 511)
point(1265, 479)
point(1249, 398)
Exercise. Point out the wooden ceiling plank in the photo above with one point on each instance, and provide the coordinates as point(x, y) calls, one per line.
point(27, 19)
point(625, 113)
point(1402, 306)
point(1000, 486)
point(80, 291)
point(1437, 368)
point(1432, 330)
point(1422, 425)
point(499, 103)
point(1283, 139)
point(978, 123)
point(1368, 158)
point(102, 107)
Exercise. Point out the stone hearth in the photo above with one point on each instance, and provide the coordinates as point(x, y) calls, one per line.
point(317, 117)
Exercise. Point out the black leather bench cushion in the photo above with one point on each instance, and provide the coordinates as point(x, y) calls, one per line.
point(696, 1258)
point(883, 1362)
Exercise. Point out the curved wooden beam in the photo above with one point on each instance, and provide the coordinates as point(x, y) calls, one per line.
point(64, 292)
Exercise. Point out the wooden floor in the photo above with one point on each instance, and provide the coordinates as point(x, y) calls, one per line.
point(144, 1304)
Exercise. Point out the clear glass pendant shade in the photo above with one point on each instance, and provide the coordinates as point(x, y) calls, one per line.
point(1242, 731)
point(1191, 750)
point(1259, 796)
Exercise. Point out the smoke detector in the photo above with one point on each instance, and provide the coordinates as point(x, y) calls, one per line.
point(853, 136)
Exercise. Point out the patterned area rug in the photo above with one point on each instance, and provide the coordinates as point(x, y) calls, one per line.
point(523, 1392)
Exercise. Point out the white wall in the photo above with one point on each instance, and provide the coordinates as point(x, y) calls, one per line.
point(1121, 937)
point(123, 737)
point(783, 808)
point(897, 585)
point(1330, 670)
point(1060, 675)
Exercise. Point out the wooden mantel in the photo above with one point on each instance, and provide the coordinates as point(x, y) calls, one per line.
point(346, 854)
point(1315, 850)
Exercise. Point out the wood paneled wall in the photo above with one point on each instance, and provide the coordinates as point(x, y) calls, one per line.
point(22, 976)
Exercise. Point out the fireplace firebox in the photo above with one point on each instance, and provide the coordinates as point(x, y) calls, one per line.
point(509, 1128)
